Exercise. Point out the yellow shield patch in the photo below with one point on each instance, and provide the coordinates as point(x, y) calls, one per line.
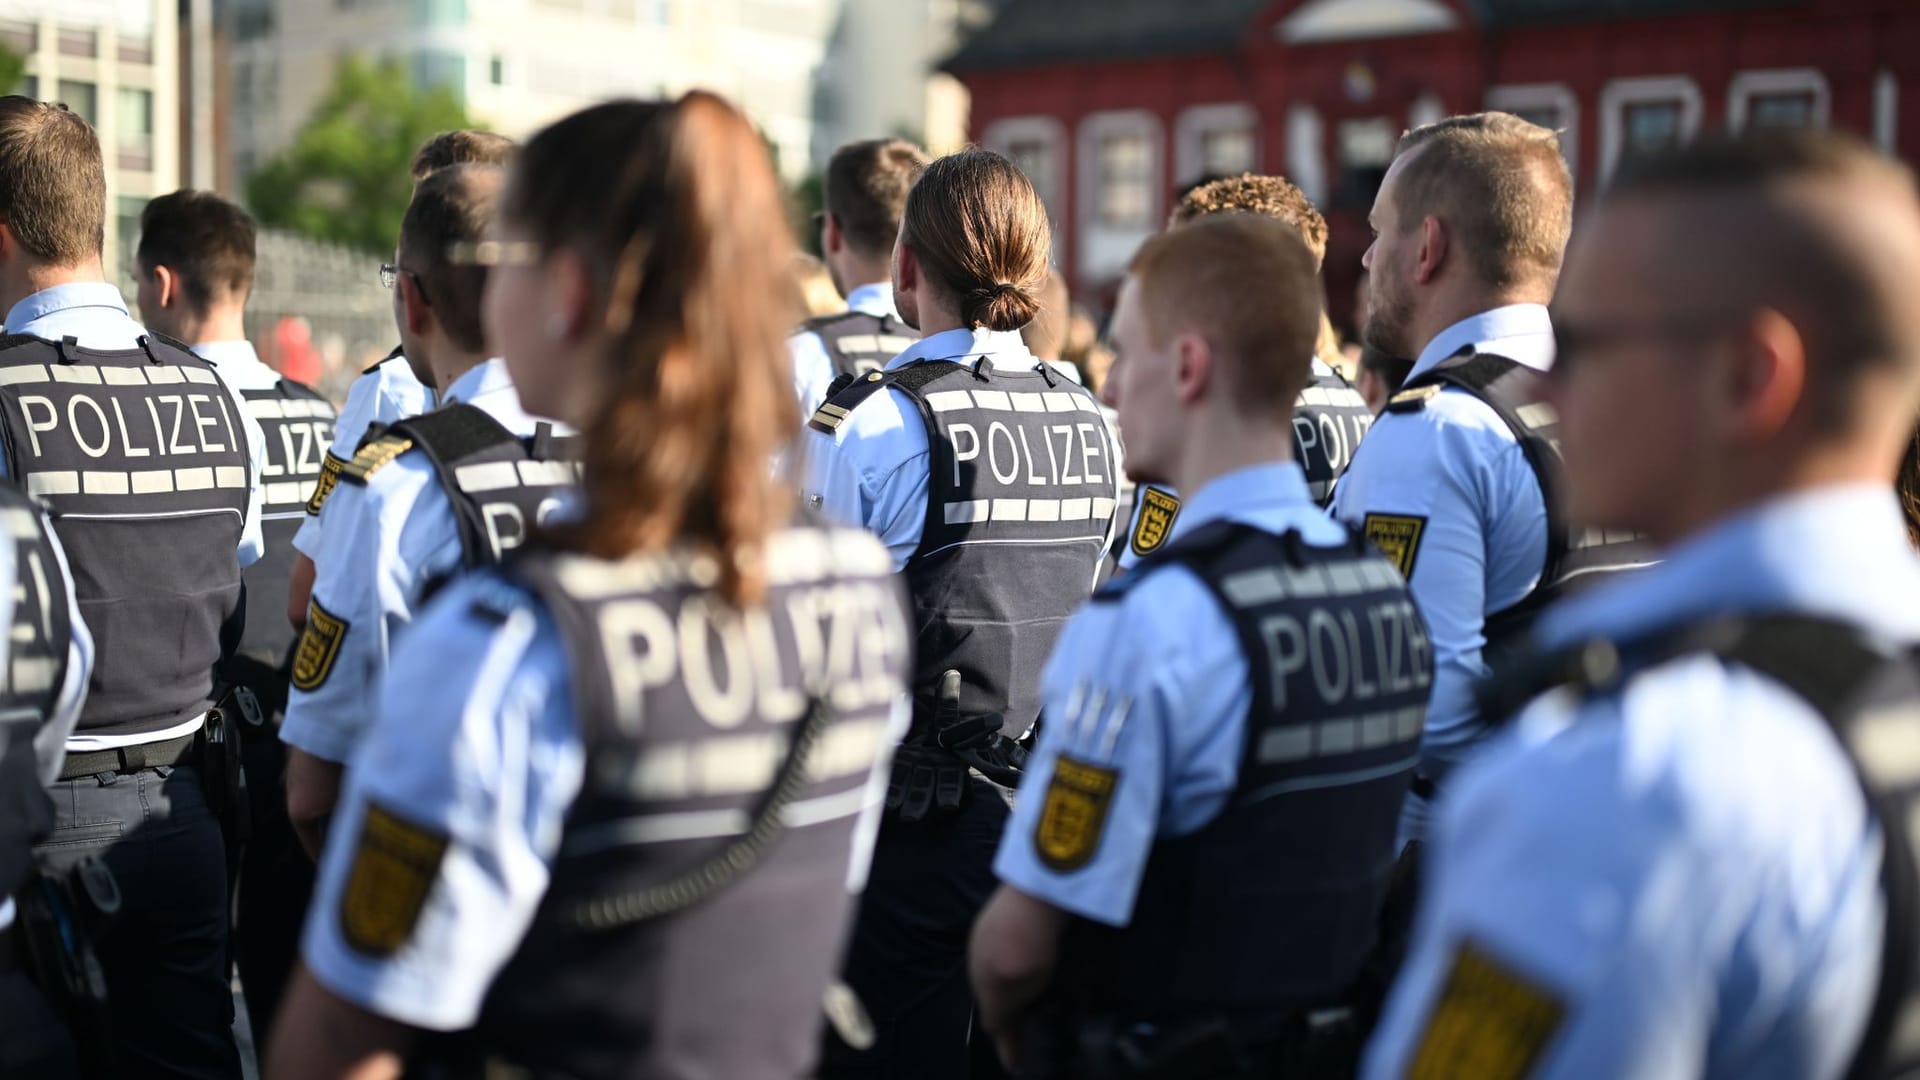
point(1154, 521)
point(1074, 814)
point(330, 468)
point(1398, 538)
point(393, 871)
point(1491, 1022)
point(319, 647)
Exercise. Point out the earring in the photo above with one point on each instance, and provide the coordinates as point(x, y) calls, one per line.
point(556, 327)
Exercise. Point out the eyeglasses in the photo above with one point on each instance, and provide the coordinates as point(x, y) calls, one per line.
point(390, 273)
point(495, 253)
point(1571, 340)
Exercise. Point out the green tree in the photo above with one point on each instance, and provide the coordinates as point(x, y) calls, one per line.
point(345, 177)
point(13, 71)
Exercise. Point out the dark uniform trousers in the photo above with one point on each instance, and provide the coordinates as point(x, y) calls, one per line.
point(908, 957)
point(275, 886)
point(165, 952)
point(32, 1041)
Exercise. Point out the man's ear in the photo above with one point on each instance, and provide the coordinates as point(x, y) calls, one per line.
point(419, 314)
point(1433, 249)
point(831, 238)
point(1765, 380)
point(907, 268)
point(166, 287)
point(1193, 367)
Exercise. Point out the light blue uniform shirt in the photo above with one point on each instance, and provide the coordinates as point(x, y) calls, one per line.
point(1155, 687)
point(383, 395)
point(478, 744)
point(812, 367)
point(94, 314)
point(384, 542)
point(873, 471)
point(1482, 547)
point(1689, 866)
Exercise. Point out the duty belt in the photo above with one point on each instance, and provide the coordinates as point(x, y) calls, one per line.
point(129, 759)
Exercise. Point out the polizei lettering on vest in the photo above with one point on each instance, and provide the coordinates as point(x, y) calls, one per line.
point(1353, 654)
point(178, 424)
point(507, 525)
point(1073, 452)
point(729, 662)
point(302, 445)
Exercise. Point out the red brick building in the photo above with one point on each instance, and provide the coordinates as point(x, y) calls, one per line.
point(1114, 106)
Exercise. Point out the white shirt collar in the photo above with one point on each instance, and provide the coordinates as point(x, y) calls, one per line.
point(486, 377)
point(1519, 332)
point(875, 298)
point(1002, 348)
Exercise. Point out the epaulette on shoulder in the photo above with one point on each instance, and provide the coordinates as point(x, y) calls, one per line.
point(374, 456)
point(1413, 400)
point(395, 354)
point(834, 411)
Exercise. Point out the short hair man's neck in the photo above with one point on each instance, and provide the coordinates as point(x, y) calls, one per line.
point(449, 363)
point(1455, 305)
point(223, 321)
point(1224, 441)
point(23, 280)
point(851, 271)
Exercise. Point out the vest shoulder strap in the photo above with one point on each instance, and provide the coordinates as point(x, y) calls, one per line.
point(457, 431)
point(175, 344)
point(912, 378)
point(821, 322)
point(9, 342)
point(375, 366)
point(292, 389)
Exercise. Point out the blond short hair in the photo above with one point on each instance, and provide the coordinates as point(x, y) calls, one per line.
point(1500, 184)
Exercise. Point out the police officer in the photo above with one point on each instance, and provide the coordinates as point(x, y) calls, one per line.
point(729, 671)
point(147, 465)
point(430, 496)
point(991, 479)
point(195, 262)
point(388, 391)
point(36, 716)
point(1468, 229)
point(1207, 829)
point(1692, 855)
point(1330, 417)
point(865, 190)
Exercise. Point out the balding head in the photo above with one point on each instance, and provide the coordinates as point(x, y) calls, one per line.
point(1735, 322)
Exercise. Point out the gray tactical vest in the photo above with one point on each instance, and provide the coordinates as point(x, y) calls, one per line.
point(140, 458)
point(701, 880)
point(857, 342)
point(298, 425)
point(36, 668)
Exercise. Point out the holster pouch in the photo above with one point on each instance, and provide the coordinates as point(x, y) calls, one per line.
point(222, 769)
point(1201, 1050)
point(931, 768)
point(59, 915)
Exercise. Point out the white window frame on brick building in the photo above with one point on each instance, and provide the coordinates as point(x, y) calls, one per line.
point(1197, 124)
point(1621, 95)
point(1017, 138)
point(1751, 87)
point(1104, 245)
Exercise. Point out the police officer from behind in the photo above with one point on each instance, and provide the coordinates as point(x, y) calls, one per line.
point(1191, 873)
point(730, 670)
point(388, 391)
point(865, 190)
point(36, 716)
point(991, 479)
point(140, 455)
point(1469, 226)
point(429, 497)
point(196, 259)
point(1670, 865)
point(1330, 417)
